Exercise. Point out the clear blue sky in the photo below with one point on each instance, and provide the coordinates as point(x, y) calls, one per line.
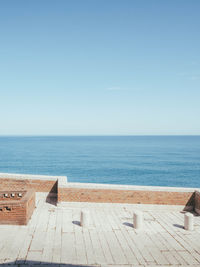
point(99, 67)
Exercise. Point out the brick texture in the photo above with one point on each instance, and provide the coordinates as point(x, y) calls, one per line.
point(37, 185)
point(16, 210)
point(197, 202)
point(100, 195)
point(125, 196)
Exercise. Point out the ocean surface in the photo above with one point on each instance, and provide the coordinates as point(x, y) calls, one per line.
point(133, 160)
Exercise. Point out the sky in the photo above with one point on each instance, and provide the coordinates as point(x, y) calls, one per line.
point(99, 67)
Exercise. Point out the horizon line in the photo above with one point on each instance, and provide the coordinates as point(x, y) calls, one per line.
point(88, 135)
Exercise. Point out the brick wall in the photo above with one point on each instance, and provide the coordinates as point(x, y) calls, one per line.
point(25, 184)
point(100, 193)
point(17, 211)
point(9, 196)
point(125, 196)
point(197, 202)
point(30, 205)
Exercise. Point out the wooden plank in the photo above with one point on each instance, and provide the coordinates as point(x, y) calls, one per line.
point(5, 250)
point(188, 257)
point(48, 248)
point(68, 250)
point(130, 256)
point(89, 248)
point(170, 258)
point(133, 247)
point(143, 246)
point(156, 252)
point(67, 222)
point(80, 248)
point(17, 243)
point(178, 257)
point(56, 256)
point(105, 247)
point(98, 252)
point(116, 249)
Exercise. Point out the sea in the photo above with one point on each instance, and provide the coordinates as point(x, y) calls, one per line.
point(129, 160)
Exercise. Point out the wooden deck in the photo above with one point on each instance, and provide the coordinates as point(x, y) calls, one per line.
point(54, 237)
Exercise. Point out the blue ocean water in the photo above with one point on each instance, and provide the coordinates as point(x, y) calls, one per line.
point(135, 160)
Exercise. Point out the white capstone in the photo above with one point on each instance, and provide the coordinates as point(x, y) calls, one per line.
point(138, 220)
point(85, 218)
point(189, 221)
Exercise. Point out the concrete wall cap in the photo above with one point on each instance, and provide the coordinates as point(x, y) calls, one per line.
point(32, 177)
point(125, 187)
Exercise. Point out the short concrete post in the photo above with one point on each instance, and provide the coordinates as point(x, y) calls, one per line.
point(188, 221)
point(138, 220)
point(85, 218)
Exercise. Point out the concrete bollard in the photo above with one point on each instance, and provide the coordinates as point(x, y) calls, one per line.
point(138, 220)
point(189, 221)
point(85, 218)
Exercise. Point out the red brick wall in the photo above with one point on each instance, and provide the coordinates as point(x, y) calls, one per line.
point(125, 196)
point(17, 214)
point(197, 202)
point(100, 195)
point(37, 185)
point(17, 211)
point(30, 205)
point(9, 196)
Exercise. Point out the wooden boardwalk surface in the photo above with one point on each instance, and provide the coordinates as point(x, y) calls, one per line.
point(54, 237)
